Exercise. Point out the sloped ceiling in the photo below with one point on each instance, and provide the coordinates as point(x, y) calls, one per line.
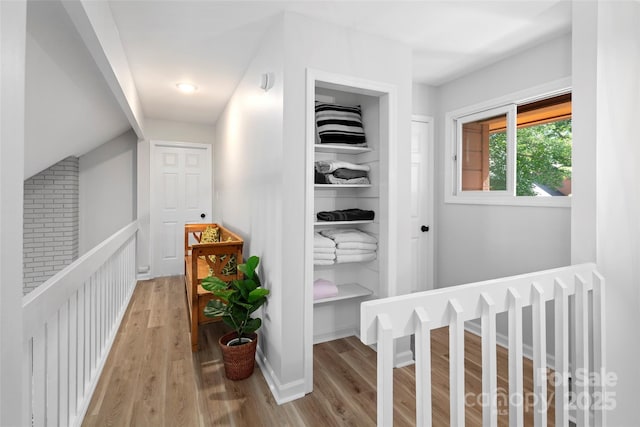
point(69, 109)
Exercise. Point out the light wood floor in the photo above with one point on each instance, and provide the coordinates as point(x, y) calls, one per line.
point(151, 377)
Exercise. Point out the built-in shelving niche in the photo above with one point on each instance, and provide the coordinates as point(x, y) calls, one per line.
point(337, 317)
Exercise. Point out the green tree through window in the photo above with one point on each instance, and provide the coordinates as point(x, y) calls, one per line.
point(543, 157)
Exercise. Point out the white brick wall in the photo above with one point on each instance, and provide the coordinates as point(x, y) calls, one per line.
point(50, 222)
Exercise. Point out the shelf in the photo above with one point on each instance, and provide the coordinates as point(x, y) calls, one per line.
point(347, 291)
point(323, 223)
point(334, 186)
point(342, 149)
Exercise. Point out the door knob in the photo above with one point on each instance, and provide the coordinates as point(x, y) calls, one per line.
point(202, 215)
point(424, 228)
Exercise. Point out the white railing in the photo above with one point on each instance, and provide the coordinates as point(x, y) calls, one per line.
point(417, 314)
point(70, 322)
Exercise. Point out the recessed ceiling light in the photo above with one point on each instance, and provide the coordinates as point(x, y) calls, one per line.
point(187, 87)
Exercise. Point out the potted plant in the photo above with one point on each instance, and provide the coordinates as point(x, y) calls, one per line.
point(235, 303)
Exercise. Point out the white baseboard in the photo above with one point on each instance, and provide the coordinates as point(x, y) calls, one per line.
point(282, 393)
point(143, 276)
point(503, 341)
point(404, 359)
point(335, 335)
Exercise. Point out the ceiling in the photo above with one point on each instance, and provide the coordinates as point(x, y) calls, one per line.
point(70, 109)
point(210, 43)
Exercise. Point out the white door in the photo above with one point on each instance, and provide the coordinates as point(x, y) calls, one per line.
point(180, 194)
point(422, 275)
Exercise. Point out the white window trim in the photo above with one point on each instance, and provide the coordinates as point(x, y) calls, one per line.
point(510, 111)
point(453, 122)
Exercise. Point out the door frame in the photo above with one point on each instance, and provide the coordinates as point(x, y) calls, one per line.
point(430, 199)
point(154, 145)
point(388, 95)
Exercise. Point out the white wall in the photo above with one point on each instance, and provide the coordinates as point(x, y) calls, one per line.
point(260, 155)
point(618, 197)
point(479, 242)
point(483, 242)
point(248, 162)
point(424, 99)
point(107, 190)
point(163, 130)
point(12, 119)
point(313, 44)
point(169, 130)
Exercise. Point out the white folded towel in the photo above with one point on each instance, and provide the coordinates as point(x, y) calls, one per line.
point(328, 166)
point(330, 256)
point(357, 245)
point(348, 235)
point(324, 250)
point(323, 262)
point(355, 258)
point(320, 241)
point(353, 251)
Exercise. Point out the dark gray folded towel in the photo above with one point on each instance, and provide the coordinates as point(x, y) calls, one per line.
point(346, 215)
point(350, 173)
point(321, 178)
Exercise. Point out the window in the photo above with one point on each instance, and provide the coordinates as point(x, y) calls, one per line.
point(516, 150)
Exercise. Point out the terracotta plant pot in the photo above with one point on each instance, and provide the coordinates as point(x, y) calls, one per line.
point(239, 360)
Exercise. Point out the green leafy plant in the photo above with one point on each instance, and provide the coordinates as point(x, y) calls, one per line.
point(237, 299)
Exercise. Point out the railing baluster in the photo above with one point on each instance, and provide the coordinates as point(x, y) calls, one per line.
point(100, 315)
point(599, 349)
point(385, 371)
point(539, 356)
point(73, 356)
point(63, 363)
point(489, 364)
point(39, 378)
point(27, 380)
point(90, 335)
point(69, 323)
point(582, 397)
point(456, 364)
point(516, 396)
point(423, 368)
point(93, 330)
point(561, 304)
point(386, 319)
point(53, 371)
point(87, 336)
point(81, 344)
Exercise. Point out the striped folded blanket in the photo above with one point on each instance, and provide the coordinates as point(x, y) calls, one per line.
point(340, 124)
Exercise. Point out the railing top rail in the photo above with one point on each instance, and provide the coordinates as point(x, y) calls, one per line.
point(40, 304)
point(437, 302)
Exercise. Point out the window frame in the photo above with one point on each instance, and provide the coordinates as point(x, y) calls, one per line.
point(453, 135)
point(510, 111)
